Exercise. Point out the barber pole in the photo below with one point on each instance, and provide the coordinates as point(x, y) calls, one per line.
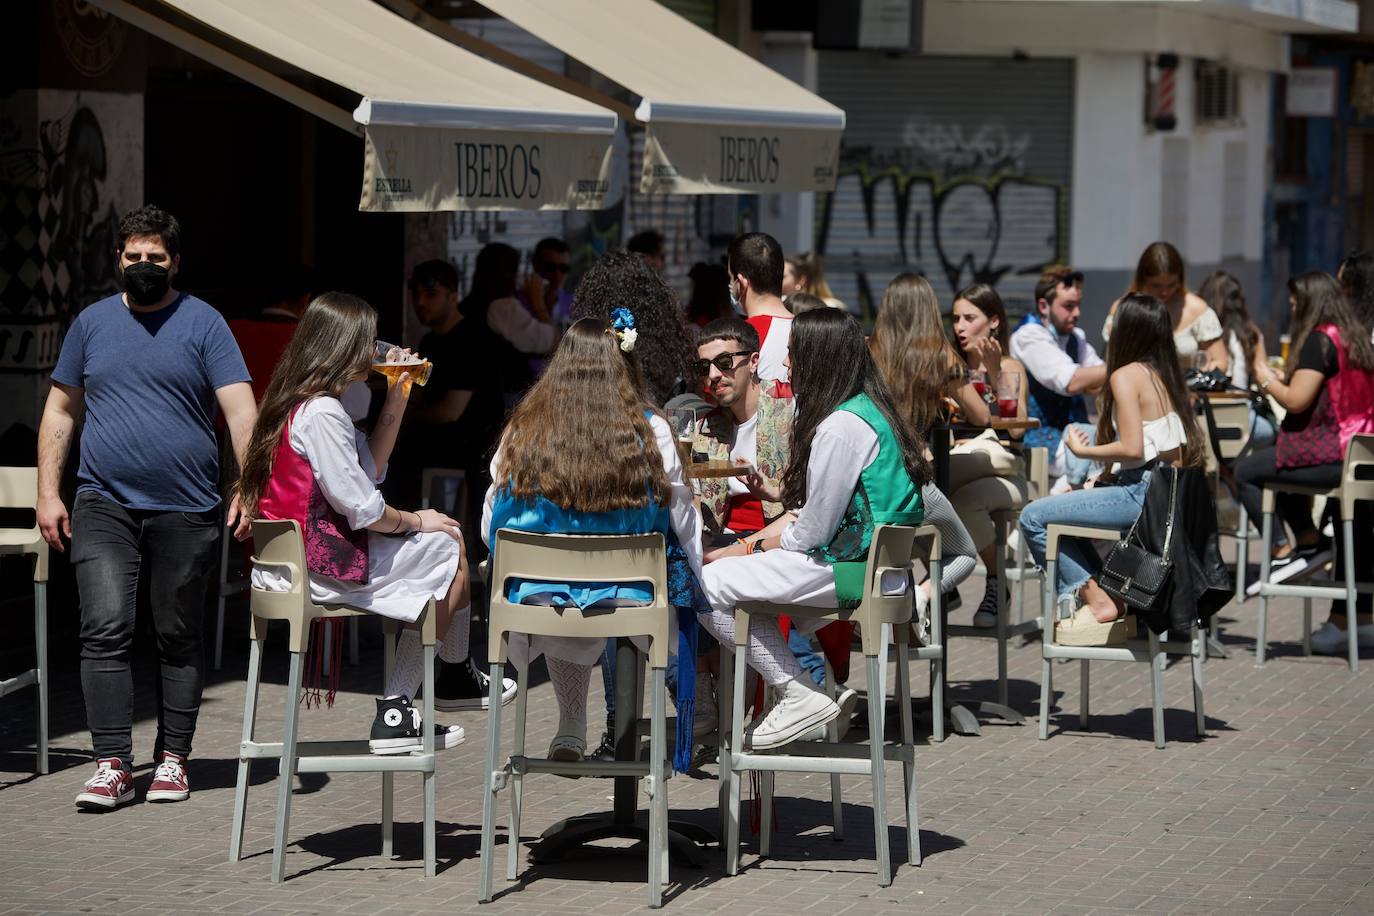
point(1164, 93)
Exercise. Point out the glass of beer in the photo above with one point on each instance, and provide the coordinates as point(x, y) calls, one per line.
point(684, 422)
point(391, 361)
point(1284, 342)
point(1008, 394)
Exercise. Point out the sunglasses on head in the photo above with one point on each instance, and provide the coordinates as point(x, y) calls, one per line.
point(725, 362)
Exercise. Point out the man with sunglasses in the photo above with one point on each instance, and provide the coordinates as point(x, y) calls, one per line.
point(1061, 366)
point(543, 293)
point(750, 424)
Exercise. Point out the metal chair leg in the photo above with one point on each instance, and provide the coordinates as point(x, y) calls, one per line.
point(1157, 660)
point(736, 747)
point(1047, 636)
point(1199, 642)
point(1266, 554)
point(832, 733)
point(517, 782)
point(428, 787)
point(913, 821)
point(489, 782)
point(390, 631)
point(657, 808)
point(40, 647)
point(878, 773)
point(250, 715)
point(999, 567)
point(1351, 623)
point(1083, 694)
point(725, 686)
point(287, 776)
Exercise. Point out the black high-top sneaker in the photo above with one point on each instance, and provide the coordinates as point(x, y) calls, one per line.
point(396, 730)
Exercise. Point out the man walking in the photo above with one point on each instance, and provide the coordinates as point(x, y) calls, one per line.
point(147, 369)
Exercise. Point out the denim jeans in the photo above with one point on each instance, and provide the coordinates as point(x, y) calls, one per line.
point(811, 661)
point(1099, 507)
point(160, 563)
point(1076, 469)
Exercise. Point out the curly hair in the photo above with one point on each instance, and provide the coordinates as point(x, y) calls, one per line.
point(662, 355)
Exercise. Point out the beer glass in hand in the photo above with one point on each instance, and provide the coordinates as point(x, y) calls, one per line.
point(391, 361)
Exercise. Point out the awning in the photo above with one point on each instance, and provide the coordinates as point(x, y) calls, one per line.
point(443, 128)
point(719, 122)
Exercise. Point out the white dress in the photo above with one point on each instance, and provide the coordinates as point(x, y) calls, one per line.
point(403, 572)
point(686, 524)
point(844, 444)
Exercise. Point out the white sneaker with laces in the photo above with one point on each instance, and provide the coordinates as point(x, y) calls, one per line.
point(800, 709)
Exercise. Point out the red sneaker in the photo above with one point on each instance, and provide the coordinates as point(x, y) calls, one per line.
point(169, 780)
point(110, 787)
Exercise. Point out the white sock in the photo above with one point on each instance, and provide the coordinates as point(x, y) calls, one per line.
point(410, 666)
point(570, 683)
point(454, 647)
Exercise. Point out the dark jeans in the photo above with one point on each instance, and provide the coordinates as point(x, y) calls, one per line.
point(1257, 468)
point(159, 562)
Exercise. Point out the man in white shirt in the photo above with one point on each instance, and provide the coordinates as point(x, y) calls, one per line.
point(1061, 366)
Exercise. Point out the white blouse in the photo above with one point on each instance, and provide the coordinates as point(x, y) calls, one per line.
point(844, 444)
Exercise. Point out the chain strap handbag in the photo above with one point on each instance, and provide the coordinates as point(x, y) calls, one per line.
point(1131, 573)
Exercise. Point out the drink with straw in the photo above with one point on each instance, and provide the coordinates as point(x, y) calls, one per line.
point(393, 361)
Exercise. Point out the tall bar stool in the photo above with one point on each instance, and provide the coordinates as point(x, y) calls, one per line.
point(1354, 486)
point(279, 543)
point(627, 559)
point(19, 490)
point(890, 551)
point(1151, 650)
point(1229, 431)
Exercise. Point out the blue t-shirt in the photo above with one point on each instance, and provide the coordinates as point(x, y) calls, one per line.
point(149, 380)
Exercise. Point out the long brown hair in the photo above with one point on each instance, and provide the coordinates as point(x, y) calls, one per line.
point(1157, 260)
point(332, 347)
point(985, 299)
point(1222, 291)
point(1144, 334)
point(580, 437)
point(1318, 299)
point(910, 348)
point(830, 365)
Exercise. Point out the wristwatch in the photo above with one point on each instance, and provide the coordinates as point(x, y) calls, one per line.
point(757, 546)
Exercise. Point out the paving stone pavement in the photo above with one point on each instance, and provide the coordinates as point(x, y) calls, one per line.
point(1272, 811)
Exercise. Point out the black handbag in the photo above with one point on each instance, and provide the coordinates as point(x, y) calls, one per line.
point(1132, 574)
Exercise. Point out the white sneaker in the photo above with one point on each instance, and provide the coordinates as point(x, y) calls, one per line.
point(801, 708)
point(1329, 639)
point(847, 701)
point(706, 708)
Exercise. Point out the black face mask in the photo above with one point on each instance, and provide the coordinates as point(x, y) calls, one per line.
point(146, 282)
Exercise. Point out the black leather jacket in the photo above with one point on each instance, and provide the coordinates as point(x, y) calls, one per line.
point(1200, 584)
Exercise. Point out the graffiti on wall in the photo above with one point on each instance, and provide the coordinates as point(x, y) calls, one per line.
point(70, 163)
point(955, 208)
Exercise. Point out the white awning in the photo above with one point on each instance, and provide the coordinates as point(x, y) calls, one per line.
point(444, 129)
point(719, 122)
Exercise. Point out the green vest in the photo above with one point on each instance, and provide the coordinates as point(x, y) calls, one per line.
point(886, 495)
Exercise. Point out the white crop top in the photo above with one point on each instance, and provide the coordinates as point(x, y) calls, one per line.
point(1162, 434)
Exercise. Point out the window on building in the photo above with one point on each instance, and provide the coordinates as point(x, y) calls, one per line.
point(1216, 91)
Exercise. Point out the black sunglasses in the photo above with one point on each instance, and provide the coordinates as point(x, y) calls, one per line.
point(555, 266)
point(725, 362)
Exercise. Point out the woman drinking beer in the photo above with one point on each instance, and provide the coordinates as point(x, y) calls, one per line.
point(307, 462)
